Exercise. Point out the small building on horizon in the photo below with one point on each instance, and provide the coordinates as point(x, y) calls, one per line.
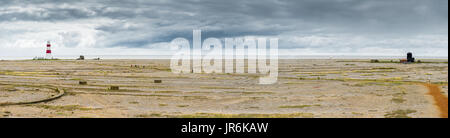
point(409, 58)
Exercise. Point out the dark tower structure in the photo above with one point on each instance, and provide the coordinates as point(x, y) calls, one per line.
point(410, 57)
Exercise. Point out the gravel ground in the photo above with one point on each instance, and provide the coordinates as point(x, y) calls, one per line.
point(305, 88)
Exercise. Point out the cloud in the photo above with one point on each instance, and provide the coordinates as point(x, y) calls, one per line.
point(319, 26)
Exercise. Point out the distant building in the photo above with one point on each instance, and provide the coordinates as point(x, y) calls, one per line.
point(81, 57)
point(409, 58)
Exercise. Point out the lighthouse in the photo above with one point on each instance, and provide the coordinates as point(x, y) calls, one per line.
point(48, 53)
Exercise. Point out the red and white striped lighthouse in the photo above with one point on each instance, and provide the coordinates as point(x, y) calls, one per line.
point(48, 54)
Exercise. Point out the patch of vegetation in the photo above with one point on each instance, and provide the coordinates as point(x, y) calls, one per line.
point(153, 115)
point(370, 71)
point(399, 114)
point(64, 108)
point(181, 106)
point(367, 74)
point(167, 92)
point(355, 113)
point(377, 83)
point(245, 75)
point(440, 83)
point(195, 97)
point(161, 68)
point(134, 102)
point(364, 61)
point(317, 75)
point(376, 94)
point(36, 74)
point(382, 68)
point(388, 61)
point(217, 115)
point(250, 93)
point(129, 86)
point(39, 59)
point(299, 106)
point(198, 92)
point(446, 62)
point(297, 83)
point(257, 98)
point(398, 100)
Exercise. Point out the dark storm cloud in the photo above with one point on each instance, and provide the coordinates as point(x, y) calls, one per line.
point(140, 23)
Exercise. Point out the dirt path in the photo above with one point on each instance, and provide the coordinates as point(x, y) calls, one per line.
point(441, 101)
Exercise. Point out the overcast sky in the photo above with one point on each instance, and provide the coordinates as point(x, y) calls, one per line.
point(305, 27)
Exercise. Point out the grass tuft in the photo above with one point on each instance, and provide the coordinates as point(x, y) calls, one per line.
point(64, 108)
point(300, 106)
point(217, 115)
point(399, 114)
